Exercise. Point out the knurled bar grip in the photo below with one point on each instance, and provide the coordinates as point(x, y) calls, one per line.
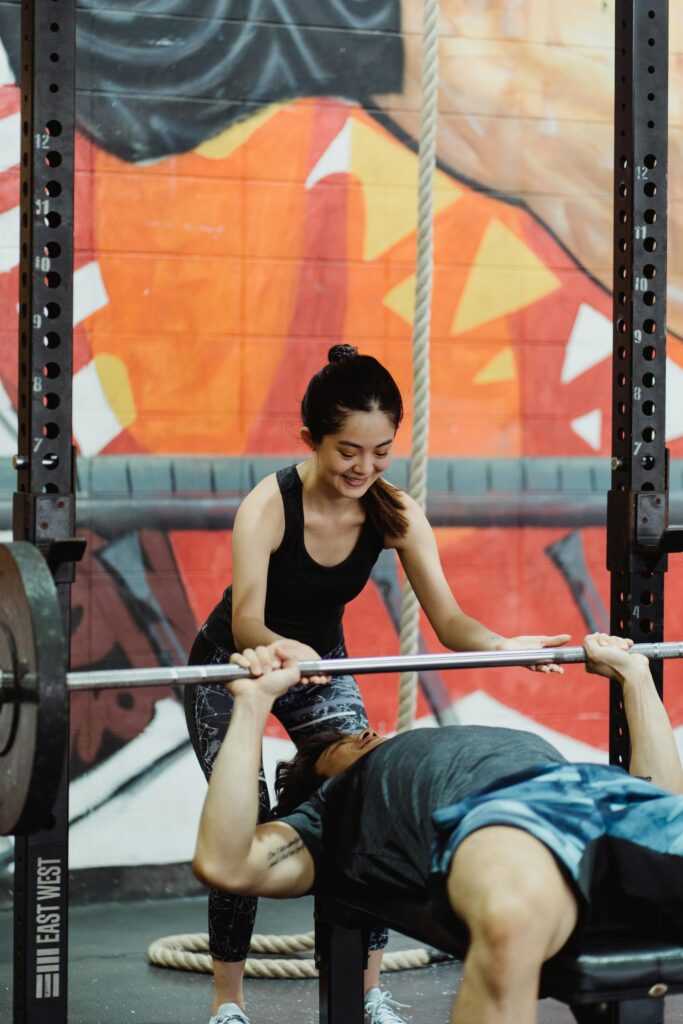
point(192, 674)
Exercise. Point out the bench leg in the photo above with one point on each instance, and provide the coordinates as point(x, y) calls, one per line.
point(628, 1011)
point(340, 958)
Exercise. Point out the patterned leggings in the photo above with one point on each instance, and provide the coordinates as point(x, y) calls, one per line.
point(339, 705)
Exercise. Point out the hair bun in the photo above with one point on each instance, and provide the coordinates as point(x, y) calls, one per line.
point(339, 352)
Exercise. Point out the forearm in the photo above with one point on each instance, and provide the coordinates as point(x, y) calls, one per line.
point(230, 814)
point(463, 633)
point(252, 632)
point(654, 754)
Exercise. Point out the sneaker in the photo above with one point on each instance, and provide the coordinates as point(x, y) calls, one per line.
point(229, 1013)
point(379, 1008)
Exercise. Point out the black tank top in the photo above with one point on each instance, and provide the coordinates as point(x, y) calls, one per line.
point(304, 600)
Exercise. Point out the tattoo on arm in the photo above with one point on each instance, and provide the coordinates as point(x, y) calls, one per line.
point(281, 853)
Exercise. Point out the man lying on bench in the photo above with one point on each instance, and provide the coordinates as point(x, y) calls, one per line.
point(516, 840)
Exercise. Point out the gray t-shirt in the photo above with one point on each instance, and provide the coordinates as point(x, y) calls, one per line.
point(371, 826)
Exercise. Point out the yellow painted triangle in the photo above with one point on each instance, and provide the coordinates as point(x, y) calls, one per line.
point(226, 142)
point(506, 277)
point(401, 299)
point(502, 367)
point(115, 383)
point(388, 174)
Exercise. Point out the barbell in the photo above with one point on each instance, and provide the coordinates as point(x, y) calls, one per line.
point(35, 684)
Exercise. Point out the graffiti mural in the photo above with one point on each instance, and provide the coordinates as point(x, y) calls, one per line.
point(246, 197)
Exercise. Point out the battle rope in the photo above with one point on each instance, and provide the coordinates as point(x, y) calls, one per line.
point(186, 952)
point(189, 953)
point(417, 477)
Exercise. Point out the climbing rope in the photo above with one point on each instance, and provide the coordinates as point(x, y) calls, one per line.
point(417, 476)
point(189, 953)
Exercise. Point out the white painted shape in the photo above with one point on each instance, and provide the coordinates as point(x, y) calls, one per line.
point(154, 822)
point(589, 343)
point(589, 428)
point(8, 424)
point(335, 160)
point(674, 400)
point(10, 141)
point(94, 422)
point(9, 239)
point(6, 74)
point(165, 733)
point(89, 291)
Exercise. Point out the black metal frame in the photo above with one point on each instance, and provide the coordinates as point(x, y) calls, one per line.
point(44, 502)
point(638, 538)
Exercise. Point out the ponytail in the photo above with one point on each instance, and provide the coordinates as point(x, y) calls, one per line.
point(385, 509)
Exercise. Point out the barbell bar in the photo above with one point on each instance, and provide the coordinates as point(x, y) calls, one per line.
point(191, 675)
point(35, 686)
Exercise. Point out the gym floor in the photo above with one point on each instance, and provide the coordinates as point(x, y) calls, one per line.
point(111, 982)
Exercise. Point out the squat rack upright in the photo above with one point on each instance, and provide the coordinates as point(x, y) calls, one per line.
point(638, 537)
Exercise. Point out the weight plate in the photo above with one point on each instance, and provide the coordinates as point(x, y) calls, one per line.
point(34, 721)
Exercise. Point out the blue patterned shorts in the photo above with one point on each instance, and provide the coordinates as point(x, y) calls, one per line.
point(609, 831)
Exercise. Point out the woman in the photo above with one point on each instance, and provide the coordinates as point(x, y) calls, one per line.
point(304, 543)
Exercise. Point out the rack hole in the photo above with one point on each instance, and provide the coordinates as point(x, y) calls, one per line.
point(50, 460)
point(649, 353)
point(621, 434)
point(650, 216)
point(649, 380)
point(621, 352)
point(649, 435)
point(649, 407)
point(650, 326)
point(53, 158)
point(647, 597)
point(621, 327)
point(646, 625)
point(649, 298)
point(51, 370)
point(649, 271)
point(54, 127)
point(51, 340)
point(650, 161)
point(647, 462)
point(50, 400)
point(53, 188)
point(621, 380)
point(650, 189)
point(50, 430)
point(622, 272)
point(52, 310)
point(52, 219)
point(52, 279)
point(650, 244)
point(54, 249)
point(621, 408)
